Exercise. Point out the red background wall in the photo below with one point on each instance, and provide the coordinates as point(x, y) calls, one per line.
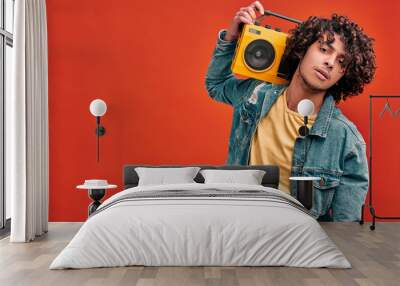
point(147, 60)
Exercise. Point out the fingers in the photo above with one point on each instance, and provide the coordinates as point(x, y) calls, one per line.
point(251, 12)
point(242, 19)
point(244, 14)
point(257, 5)
point(248, 15)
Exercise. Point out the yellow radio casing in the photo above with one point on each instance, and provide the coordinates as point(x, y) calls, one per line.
point(274, 72)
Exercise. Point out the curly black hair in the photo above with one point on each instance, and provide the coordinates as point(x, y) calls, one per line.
point(360, 63)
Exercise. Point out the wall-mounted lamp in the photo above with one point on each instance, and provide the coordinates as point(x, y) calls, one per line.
point(305, 108)
point(98, 108)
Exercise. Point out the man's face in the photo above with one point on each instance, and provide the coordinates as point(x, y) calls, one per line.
point(323, 64)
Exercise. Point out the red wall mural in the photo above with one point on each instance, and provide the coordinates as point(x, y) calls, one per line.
point(148, 60)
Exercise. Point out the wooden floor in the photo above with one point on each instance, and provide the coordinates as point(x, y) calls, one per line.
point(375, 256)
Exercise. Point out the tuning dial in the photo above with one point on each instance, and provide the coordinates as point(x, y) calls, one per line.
point(278, 29)
point(268, 26)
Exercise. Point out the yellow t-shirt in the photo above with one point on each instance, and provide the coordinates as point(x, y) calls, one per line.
point(273, 141)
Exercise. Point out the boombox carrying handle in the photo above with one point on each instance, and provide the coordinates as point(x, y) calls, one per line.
point(270, 13)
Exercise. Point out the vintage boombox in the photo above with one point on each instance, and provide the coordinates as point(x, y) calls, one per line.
point(260, 52)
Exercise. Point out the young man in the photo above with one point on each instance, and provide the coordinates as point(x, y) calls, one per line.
point(328, 60)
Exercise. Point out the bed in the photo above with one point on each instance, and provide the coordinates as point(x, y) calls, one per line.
point(201, 224)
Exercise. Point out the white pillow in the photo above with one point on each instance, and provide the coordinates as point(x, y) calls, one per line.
point(249, 177)
point(166, 175)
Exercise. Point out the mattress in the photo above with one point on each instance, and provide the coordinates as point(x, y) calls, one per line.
point(201, 225)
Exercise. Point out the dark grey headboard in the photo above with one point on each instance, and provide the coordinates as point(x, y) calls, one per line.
point(271, 177)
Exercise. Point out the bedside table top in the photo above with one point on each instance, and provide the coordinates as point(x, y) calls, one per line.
point(96, 184)
point(86, 187)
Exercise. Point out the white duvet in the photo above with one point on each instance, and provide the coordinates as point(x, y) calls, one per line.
point(200, 231)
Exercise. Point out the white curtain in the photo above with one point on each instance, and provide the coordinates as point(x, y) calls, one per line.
point(27, 124)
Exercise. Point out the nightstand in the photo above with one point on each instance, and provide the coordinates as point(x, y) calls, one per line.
point(96, 191)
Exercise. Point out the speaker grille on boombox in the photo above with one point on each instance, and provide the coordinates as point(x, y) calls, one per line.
point(259, 55)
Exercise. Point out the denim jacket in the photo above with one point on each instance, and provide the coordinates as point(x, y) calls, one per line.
point(336, 151)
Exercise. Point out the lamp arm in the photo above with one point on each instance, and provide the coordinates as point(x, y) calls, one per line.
point(98, 136)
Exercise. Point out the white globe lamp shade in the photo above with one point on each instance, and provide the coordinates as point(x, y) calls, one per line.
point(98, 107)
point(305, 107)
